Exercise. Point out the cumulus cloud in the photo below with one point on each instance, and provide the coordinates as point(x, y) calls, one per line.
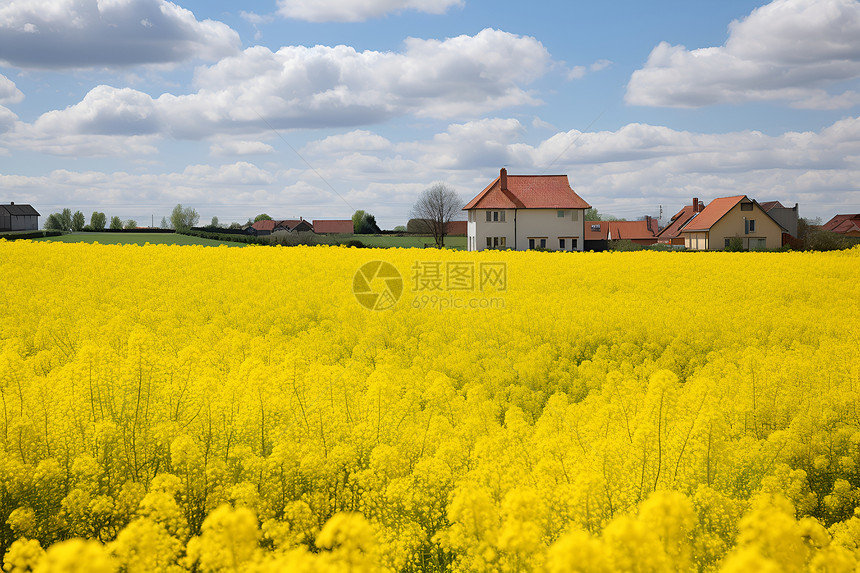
point(299, 87)
point(239, 147)
point(56, 34)
point(357, 10)
point(788, 50)
point(9, 92)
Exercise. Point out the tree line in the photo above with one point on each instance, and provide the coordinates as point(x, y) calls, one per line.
point(181, 219)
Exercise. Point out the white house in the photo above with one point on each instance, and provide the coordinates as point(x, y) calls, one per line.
point(526, 212)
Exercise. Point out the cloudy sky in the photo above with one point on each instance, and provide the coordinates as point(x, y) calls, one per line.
point(316, 108)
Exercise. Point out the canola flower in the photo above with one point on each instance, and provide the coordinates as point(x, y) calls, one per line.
point(187, 408)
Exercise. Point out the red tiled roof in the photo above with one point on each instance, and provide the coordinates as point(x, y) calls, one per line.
point(715, 211)
point(843, 223)
point(528, 192)
point(619, 230)
point(264, 225)
point(680, 219)
point(768, 205)
point(333, 226)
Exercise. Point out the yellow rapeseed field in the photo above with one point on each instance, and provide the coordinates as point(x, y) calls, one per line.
point(328, 409)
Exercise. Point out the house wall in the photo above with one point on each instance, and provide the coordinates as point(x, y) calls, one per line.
point(732, 225)
point(25, 223)
point(787, 217)
point(529, 223)
point(5, 221)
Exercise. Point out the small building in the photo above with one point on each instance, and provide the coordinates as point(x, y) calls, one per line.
point(293, 226)
point(671, 234)
point(599, 233)
point(848, 225)
point(333, 226)
point(788, 217)
point(18, 218)
point(526, 212)
point(727, 218)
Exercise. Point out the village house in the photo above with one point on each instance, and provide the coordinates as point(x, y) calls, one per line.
point(728, 218)
point(788, 217)
point(848, 225)
point(18, 218)
point(599, 233)
point(333, 226)
point(671, 234)
point(269, 226)
point(526, 212)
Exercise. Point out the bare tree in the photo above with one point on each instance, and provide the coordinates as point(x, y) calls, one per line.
point(436, 207)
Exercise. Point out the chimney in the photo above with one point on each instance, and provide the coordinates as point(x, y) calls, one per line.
point(648, 223)
point(695, 205)
point(503, 176)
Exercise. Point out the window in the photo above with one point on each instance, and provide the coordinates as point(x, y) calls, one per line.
point(728, 240)
point(489, 242)
point(573, 244)
point(531, 243)
point(758, 244)
point(561, 244)
point(746, 206)
point(501, 216)
point(752, 225)
point(595, 228)
point(560, 214)
point(489, 216)
point(495, 216)
point(502, 242)
point(543, 243)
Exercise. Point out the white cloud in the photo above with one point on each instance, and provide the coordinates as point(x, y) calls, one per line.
point(225, 146)
point(299, 87)
point(357, 140)
point(9, 92)
point(788, 50)
point(55, 34)
point(357, 10)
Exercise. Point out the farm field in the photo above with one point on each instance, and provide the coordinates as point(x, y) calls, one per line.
point(176, 409)
point(137, 239)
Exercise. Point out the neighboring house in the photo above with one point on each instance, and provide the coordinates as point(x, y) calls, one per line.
point(599, 233)
point(18, 218)
point(339, 226)
point(844, 225)
point(293, 226)
point(730, 217)
point(785, 216)
point(269, 226)
point(671, 234)
point(526, 212)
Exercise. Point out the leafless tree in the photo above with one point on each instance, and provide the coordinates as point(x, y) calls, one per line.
point(436, 207)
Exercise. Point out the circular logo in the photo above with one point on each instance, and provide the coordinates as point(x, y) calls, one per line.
point(377, 285)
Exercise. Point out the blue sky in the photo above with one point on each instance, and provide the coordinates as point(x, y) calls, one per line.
point(316, 108)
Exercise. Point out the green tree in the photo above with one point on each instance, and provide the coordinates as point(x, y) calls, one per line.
point(164, 224)
point(130, 224)
point(182, 219)
point(363, 223)
point(66, 219)
point(591, 214)
point(98, 221)
point(54, 222)
point(78, 221)
point(214, 223)
point(262, 217)
point(115, 222)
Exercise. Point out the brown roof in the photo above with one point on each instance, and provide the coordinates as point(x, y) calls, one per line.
point(264, 225)
point(333, 226)
point(597, 230)
point(715, 211)
point(680, 219)
point(843, 223)
point(528, 192)
point(768, 205)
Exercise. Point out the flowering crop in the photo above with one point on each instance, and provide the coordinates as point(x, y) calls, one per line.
point(168, 408)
